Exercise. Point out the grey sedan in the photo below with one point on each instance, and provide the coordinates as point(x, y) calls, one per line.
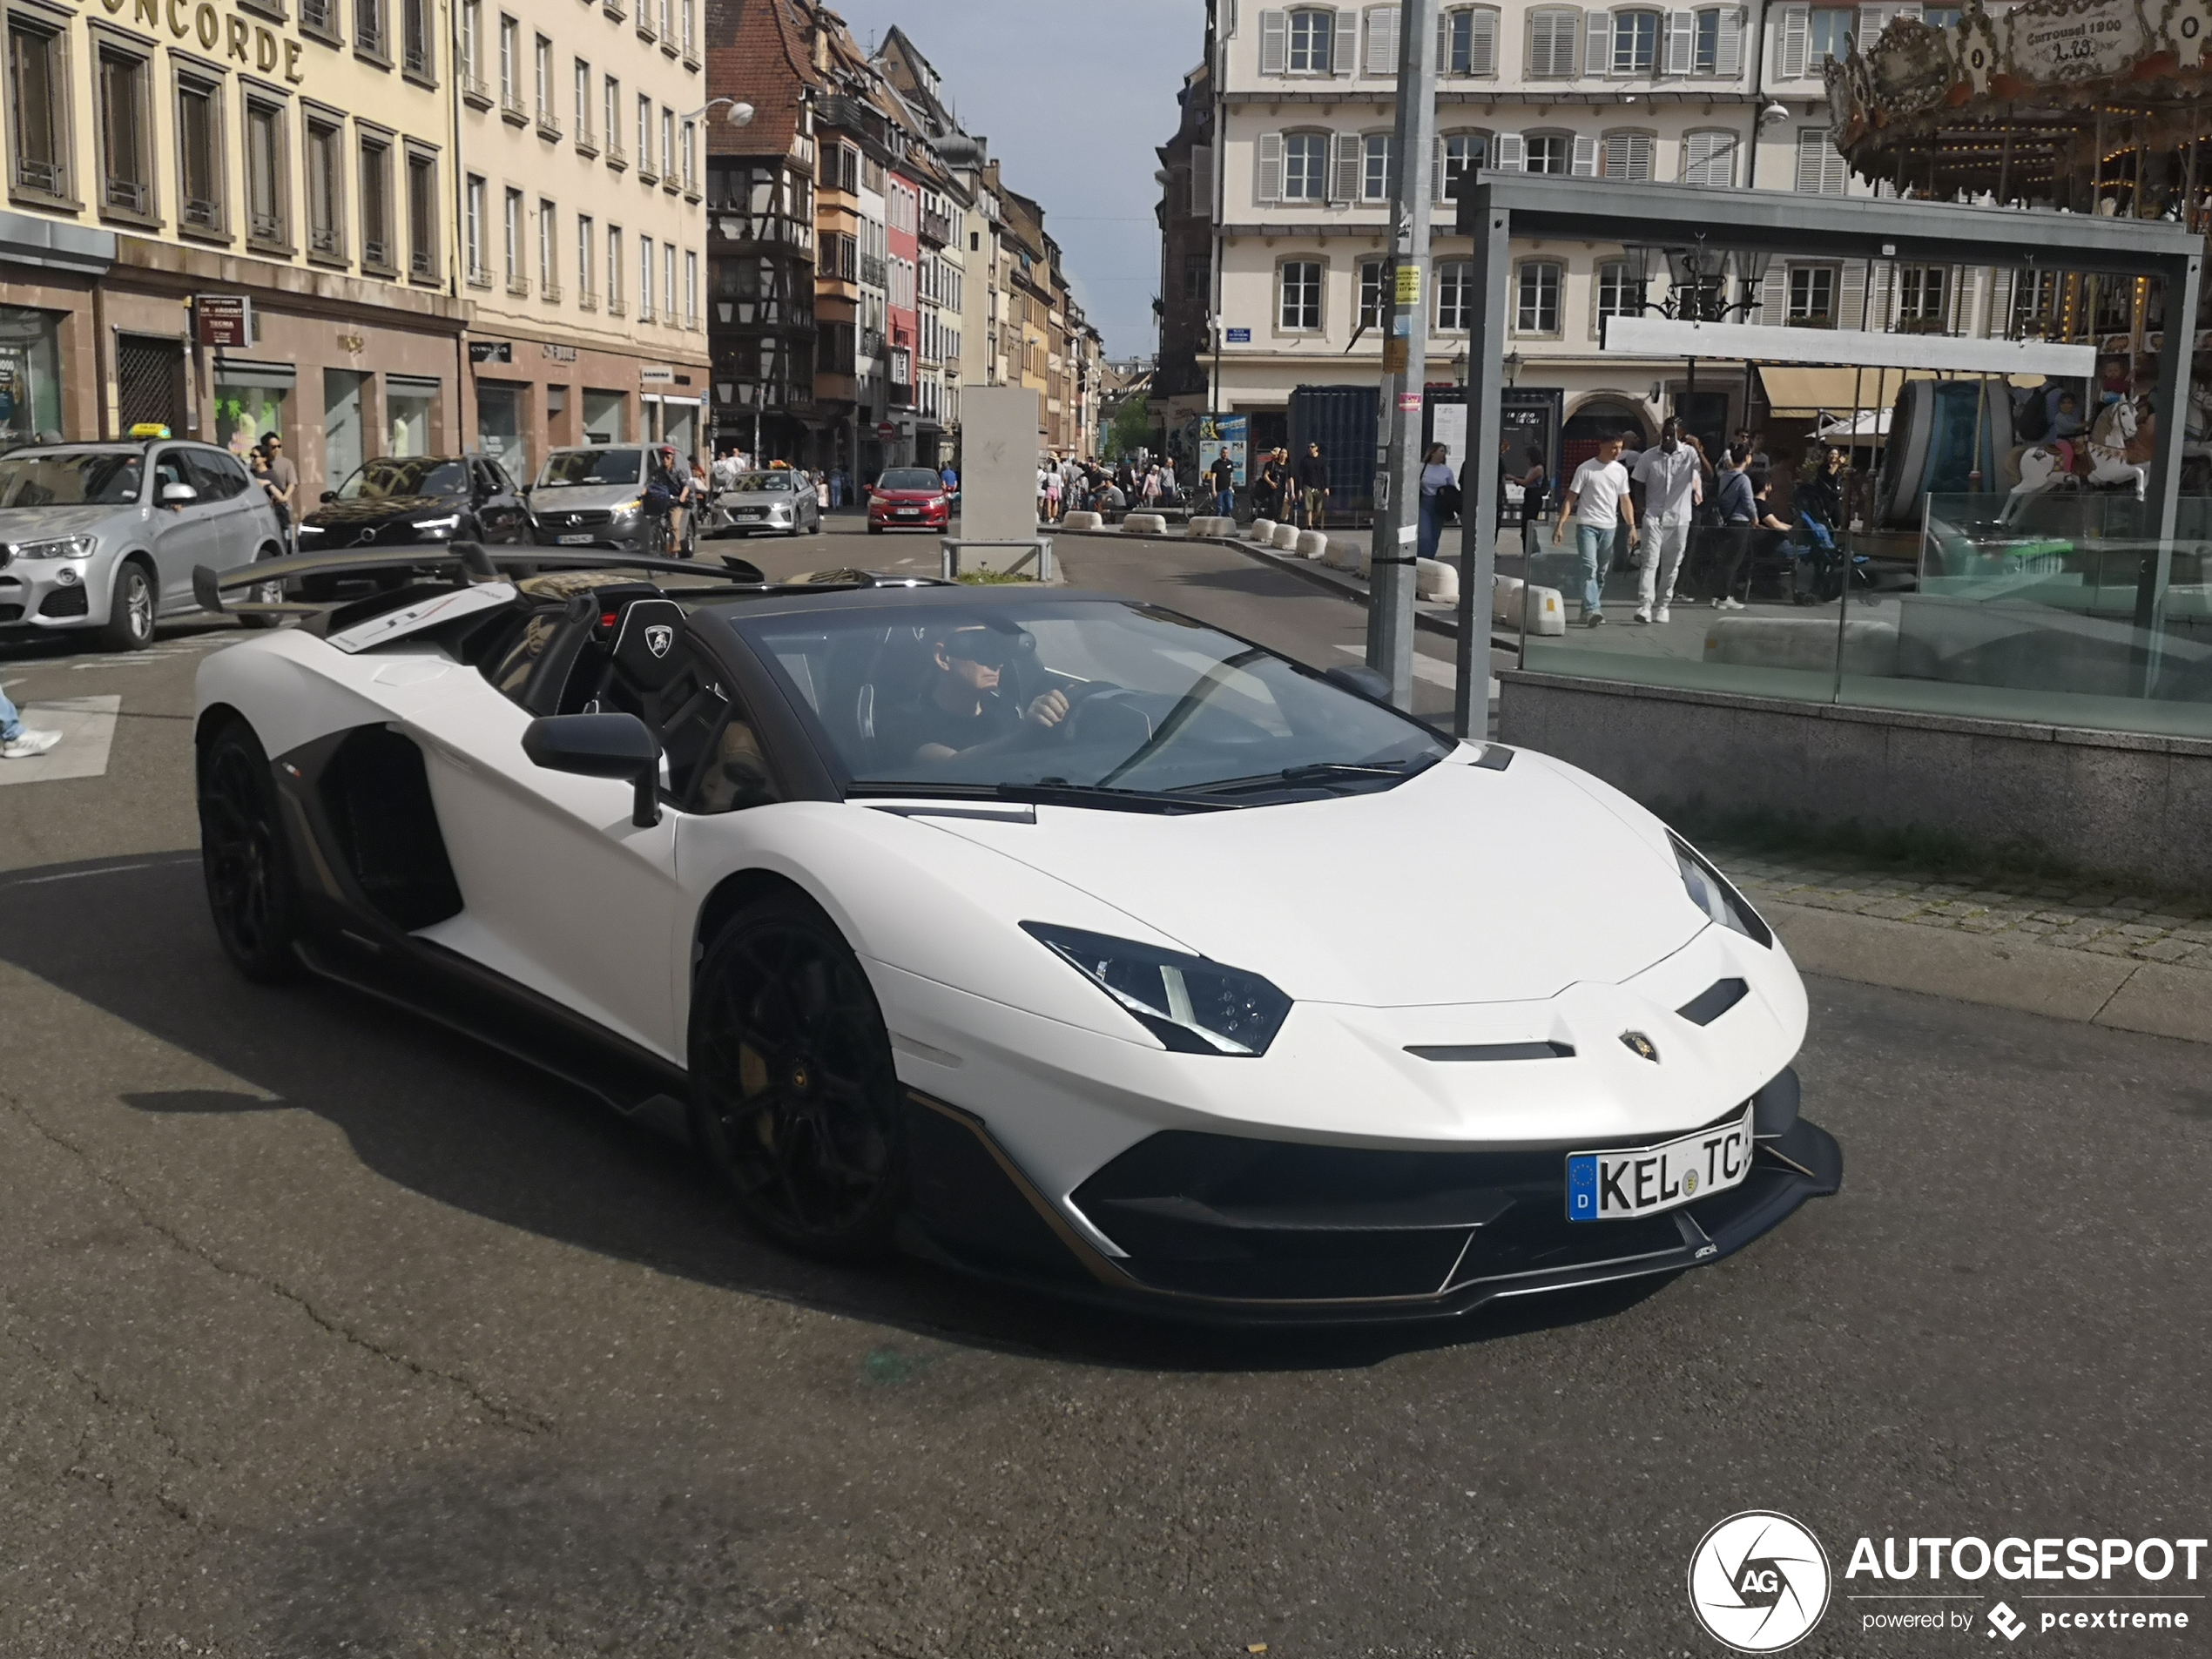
point(779, 501)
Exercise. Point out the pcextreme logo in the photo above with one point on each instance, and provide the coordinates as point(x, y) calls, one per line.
point(1758, 1581)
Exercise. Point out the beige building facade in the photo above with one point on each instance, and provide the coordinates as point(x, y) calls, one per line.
point(312, 157)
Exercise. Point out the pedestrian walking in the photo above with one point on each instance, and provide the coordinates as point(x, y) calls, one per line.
point(1535, 480)
point(725, 469)
point(1052, 493)
point(275, 471)
point(1436, 479)
point(1597, 500)
point(1673, 488)
point(1313, 489)
point(19, 741)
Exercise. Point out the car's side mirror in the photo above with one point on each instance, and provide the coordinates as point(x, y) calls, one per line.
point(329, 495)
point(179, 495)
point(601, 746)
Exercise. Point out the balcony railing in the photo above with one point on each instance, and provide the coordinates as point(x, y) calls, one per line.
point(511, 110)
point(872, 270)
point(474, 89)
point(519, 287)
point(585, 144)
point(937, 228)
point(421, 266)
point(549, 126)
point(129, 194)
point(319, 16)
point(202, 214)
point(47, 177)
point(617, 156)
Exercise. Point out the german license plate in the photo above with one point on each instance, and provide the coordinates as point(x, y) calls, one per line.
point(909, 512)
point(570, 541)
point(1645, 1180)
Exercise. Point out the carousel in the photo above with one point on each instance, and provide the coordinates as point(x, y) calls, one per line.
point(2081, 106)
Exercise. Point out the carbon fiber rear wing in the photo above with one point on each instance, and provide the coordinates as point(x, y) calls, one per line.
point(470, 561)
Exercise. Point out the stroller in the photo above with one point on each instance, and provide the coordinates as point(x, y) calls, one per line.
point(1817, 562)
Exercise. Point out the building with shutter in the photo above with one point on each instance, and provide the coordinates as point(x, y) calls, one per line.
point(1292, 112)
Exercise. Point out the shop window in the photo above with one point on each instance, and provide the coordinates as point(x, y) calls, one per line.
point(408, 406)
point(126, 140)
point(37, 110)
point(1536, 298)
point(499, 427)
point(1299, 285)
point(268, 193)
point(605, 417)
point(200, 155)
point(30, 381)
point(379, 249)
point(326, 189)
point(1454, 296)
point(343, 402)
point(246, 410)
point(422, 209)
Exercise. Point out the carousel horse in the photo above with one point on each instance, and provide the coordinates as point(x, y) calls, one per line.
point(2050, 465)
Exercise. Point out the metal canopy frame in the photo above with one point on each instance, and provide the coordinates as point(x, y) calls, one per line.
point(1501, 206)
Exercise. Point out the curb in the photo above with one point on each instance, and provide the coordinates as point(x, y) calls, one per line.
point(2112, 991)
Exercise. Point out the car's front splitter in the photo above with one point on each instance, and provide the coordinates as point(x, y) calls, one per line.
point(1495, 1227)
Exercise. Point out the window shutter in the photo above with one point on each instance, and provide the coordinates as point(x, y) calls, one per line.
point(1792, 43)
point(1270, 167)
point(1774, 296)
point(1708, 159)
point(1585, 164)
point(1851, 296)
point(1627, 157)
point(1482, 45)
point(1344, 49)
point(1597, 53)
point(1436, 169)
point(1681, 42)
point(2000, 305)
point(1382, 40)
point(1343, 175)
point(1274, 42)
point(1443, 43)
point(1508, 154)
point(1821, 167)
point(1728, 51)
point(1202, 181)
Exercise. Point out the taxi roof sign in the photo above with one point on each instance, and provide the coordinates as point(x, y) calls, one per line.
point(149, 429)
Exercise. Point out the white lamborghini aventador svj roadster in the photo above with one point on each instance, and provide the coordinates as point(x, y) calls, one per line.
point(1031, 931)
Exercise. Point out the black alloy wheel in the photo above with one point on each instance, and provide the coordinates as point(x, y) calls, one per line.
point(133, 609)
point(795, 1102)
point(250, 890)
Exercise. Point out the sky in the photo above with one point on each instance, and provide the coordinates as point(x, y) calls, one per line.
point(1075, 96)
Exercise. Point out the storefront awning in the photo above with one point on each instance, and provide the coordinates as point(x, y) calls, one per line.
point(1793, 391)
point(269, 377)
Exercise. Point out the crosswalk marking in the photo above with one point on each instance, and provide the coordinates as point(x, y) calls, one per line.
point(87, 725)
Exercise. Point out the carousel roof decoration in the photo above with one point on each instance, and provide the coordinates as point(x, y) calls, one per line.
point(2017, 102)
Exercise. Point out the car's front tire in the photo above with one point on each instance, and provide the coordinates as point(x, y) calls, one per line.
point(795, 1102)
point(131, 609)
point(251, 893)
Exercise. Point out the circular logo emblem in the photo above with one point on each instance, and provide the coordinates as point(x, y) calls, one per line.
point(1758, 1581)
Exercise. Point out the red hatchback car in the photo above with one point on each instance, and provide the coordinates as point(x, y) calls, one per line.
point(908, 498)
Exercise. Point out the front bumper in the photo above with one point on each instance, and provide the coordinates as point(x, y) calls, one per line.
point(1223, 1228)
point(926, 520)
point(548, 530)
point(35, 598)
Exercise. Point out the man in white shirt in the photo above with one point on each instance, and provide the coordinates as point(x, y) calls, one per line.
point(1598, 501)
point(1673, 484)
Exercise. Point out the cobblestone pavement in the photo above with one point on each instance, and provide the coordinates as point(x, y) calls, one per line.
point(2070, 914)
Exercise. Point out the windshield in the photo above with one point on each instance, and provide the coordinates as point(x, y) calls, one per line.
point(757, 481)
point(1083, 695)
point(419, 475)
point(910, 478)
point(69, 480)
point(574, 467)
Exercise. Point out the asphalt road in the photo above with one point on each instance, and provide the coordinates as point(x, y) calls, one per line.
point(324, 1333)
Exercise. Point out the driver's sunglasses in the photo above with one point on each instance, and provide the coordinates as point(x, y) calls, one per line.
point(983, 653)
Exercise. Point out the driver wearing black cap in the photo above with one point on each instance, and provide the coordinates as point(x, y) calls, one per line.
point(962, 707)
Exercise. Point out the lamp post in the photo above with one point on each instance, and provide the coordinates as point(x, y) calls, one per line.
point(1697, 285)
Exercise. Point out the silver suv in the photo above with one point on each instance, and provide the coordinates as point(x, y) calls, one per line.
point(104, 536)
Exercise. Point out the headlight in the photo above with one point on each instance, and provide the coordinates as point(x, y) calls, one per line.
point(66, 547)
point(629, 508)
point(1711, 893)
point(1191, 1004)
point(445, 526)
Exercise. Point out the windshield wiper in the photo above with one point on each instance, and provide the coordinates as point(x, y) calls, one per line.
point(1314, 772)
point(1051, 793)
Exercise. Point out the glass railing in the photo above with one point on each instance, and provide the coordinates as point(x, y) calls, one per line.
point(2055, 611)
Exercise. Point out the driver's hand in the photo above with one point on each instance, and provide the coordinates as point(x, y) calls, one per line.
point(1048, 710)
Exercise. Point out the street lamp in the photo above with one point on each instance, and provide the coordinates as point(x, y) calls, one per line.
point(741, 113)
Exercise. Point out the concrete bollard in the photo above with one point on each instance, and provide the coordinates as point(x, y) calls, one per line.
point(1213, 527)
point(1311, 544)
point(1285, 537)
point(1083, 521)
point(1437, 581)
point(1546, 610)
point(1340, 554)
point(1145, 524)
point(1264, 531)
